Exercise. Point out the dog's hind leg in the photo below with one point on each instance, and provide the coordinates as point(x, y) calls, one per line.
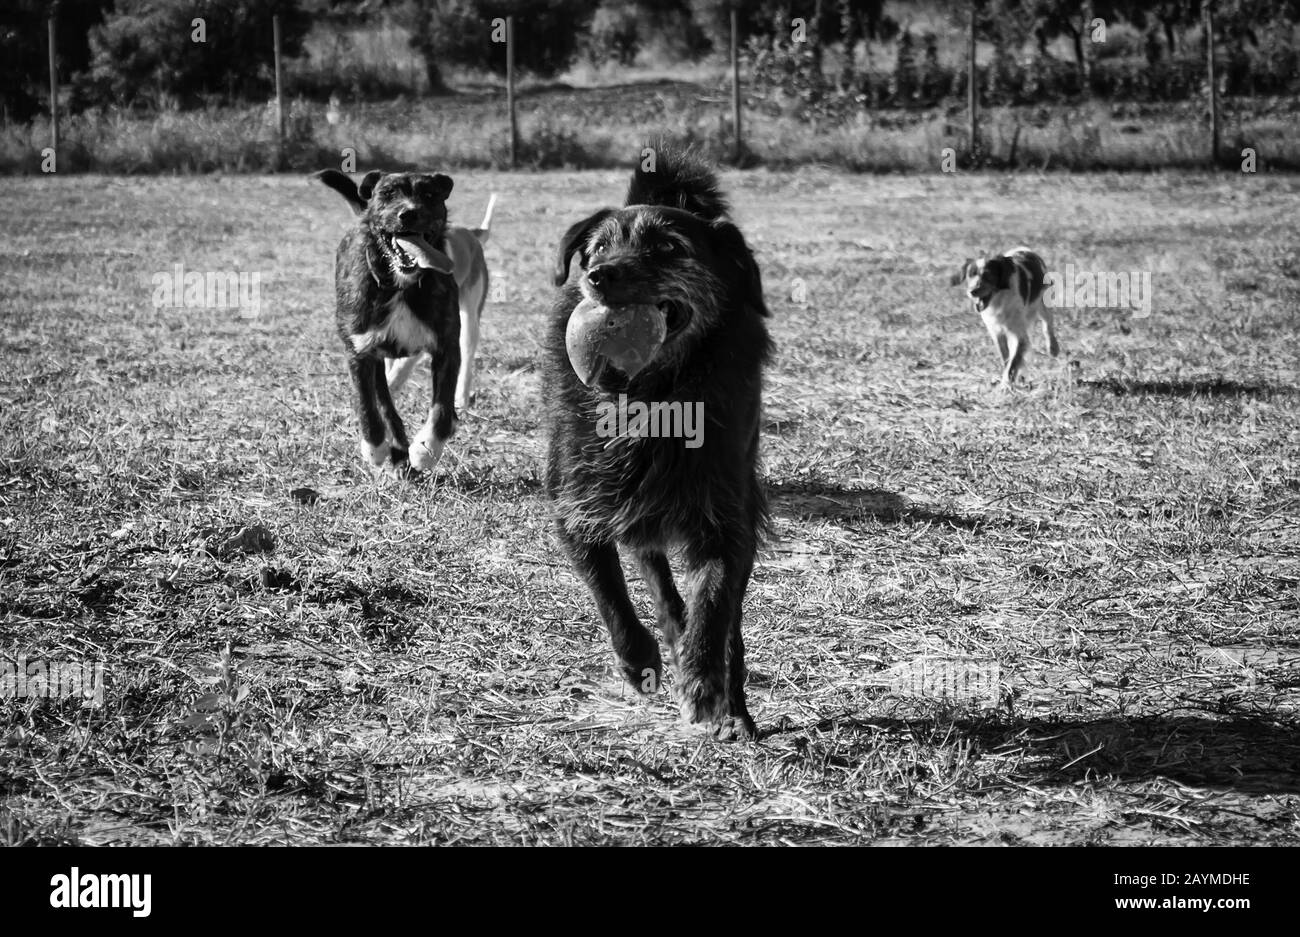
point(670, 610)
point(441, 423)
point(472, 298)
point(399, 371)
point(634, 646)
point(469, 329)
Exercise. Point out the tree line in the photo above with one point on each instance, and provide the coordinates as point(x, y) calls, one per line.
point(132, 52)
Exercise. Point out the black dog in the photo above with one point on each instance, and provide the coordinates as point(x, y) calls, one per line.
point(670, 251)
point(397, 297)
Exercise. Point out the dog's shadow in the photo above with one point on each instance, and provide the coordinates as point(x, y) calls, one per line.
point(1245, 753)
point(815, 501)
point(1201, 387)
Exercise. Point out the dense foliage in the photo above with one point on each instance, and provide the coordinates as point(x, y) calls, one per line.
point(823, 56)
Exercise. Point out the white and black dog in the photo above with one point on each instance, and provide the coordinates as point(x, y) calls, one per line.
point(1007, 292)
point(465, 248)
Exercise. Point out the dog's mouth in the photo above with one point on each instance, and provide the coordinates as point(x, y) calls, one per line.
point(981, 298)
point(411, 251)
point(676, 316)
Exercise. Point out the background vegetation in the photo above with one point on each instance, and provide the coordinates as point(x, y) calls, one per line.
point(874, 85)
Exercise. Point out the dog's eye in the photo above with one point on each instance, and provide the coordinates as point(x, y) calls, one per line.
point(666, 247)
point(596, 249)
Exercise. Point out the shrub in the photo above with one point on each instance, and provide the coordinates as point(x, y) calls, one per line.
point(459, 32)
point(145, 50)
point(1122, 42)
point(24, 69)
point(903, 87)
point(615, 33)
point(1277, 61)
point(551, 146)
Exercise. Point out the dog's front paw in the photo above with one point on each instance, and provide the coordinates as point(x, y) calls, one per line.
point(644, 671)
point(375, 456)
point(736, 728)
point(703, 698)
point(426, 451)
point(398, 466)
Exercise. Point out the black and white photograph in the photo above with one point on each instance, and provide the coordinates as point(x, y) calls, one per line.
point(651, 423)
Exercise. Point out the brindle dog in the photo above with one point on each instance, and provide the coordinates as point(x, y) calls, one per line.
point(397, 297)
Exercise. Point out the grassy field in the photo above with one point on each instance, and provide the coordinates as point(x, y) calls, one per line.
point(1112, 552)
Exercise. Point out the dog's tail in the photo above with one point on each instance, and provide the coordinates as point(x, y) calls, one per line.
point(482, 231)
point(676, 177)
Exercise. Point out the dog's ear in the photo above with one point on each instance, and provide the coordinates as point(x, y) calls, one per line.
point(573, 239)
point(962, 273)
point(368, 183)
point(441, 184)
point(344, 186)
point(1001, 269)
point(736, 258)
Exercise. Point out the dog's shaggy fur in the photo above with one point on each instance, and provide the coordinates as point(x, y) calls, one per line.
point(1007, 292)
point(673, 248)
point(391, 306)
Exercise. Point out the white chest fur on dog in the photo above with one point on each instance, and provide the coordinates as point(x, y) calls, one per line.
point(400, 328)
point(1006, 309)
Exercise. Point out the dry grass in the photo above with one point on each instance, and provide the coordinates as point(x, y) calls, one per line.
point(415, 663)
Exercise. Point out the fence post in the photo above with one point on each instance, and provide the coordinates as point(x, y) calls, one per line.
point(279, 83)
point(973, 94)
point(1086, 47)
point(510, 91)
point(1214, 85)
point(54, 91)
point(735, 84)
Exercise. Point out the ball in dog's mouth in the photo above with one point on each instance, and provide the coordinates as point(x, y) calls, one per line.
point(412, 250)
point(625, 336)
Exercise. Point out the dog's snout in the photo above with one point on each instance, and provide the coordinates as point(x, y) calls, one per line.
point(605, 274)
point(411, 216)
